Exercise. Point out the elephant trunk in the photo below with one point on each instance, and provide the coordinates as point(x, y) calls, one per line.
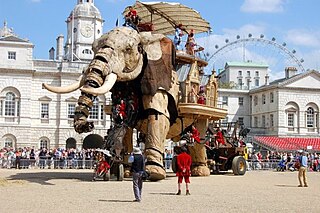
point(99, 80)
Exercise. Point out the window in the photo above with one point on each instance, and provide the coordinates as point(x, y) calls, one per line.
point(290, 119)
point(225, 100)
point(256, 82)
point(240, 119)
point(12, 55)
point(310, 117)
point(271, 97)
point(94, 113)
point(257, 73)
point(240, 101)
point(263, 99)
point(44, 110)
point(263, 121)
point(10, 104)
point(87, 51)
point(239, 73)
point(255, 100)
point(240, 82)
point(271, 120)
point(8, 142)
point(248, 73)
point(71, 110)
point(255, 121)
point(248, 83)
point(101, 112)
point(43, 143)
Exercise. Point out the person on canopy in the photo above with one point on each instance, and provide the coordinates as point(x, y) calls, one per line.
point(178, 36)
point(131, 18)
point(191, 43)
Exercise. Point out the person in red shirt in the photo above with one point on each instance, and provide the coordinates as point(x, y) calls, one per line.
point(131, 18)
point(122, 110)
point(219, 138)
point(195, 134)
point(201, 96)
point(183, 169)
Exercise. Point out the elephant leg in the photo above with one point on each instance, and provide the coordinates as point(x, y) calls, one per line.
point(127, 144)
point(199, 160)
point(158, 127)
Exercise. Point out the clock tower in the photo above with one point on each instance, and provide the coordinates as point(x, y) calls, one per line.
point(84, 25)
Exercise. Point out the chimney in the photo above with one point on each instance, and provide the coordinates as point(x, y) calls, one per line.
point(290, 71)
point(266, 80)
point(51, 53)
point(60, 41)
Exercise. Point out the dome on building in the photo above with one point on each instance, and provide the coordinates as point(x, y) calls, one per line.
point(87, 10)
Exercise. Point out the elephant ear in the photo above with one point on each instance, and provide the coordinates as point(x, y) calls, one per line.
point(158, 71)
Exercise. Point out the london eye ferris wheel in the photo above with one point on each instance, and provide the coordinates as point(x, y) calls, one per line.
point(277, 55)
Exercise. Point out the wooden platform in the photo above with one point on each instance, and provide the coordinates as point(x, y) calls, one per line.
point(183, 57)
point(200, 111)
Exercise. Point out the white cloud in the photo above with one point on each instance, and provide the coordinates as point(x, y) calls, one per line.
point(264, 6)
point(245, 30)
point(303, 37)
point(311, 60)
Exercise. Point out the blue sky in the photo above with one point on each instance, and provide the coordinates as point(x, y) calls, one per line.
point(295, 22)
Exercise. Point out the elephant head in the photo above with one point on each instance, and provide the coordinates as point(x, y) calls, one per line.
point(119, 56)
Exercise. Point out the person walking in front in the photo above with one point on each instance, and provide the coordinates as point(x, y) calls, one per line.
point(183, 169)
point(302, 176)
point(137, 169)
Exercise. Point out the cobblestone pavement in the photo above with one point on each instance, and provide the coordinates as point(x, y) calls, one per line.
point(73, 191)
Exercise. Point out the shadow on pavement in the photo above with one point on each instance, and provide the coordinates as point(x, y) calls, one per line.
point(118, 201)
point(163, 193)
point(43, 177)
point(284, 185)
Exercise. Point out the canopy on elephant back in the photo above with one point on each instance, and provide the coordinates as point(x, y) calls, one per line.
point(165, 16)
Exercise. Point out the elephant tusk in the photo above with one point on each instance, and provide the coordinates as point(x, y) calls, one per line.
point(66, 89)
point(105, 87)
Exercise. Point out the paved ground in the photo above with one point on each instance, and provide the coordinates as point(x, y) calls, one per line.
point(73, 191)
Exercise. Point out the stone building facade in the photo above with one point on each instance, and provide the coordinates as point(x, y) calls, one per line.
point(34, 117)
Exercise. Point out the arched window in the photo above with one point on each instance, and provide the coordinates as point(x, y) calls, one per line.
point(8, 142)
point(44, 143)
point(310, 117)
point(10, 104)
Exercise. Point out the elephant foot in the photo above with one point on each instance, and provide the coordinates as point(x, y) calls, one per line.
point(201, 170)
point(156, 172)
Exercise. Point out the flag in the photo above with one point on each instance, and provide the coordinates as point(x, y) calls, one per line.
point(117, 22)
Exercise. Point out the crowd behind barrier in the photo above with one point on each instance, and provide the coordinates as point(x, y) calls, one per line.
point(24, 158)
point(29, 158)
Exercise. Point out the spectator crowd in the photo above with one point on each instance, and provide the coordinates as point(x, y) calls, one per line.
point(29, 157)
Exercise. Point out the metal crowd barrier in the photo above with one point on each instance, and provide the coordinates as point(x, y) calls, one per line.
point(47, 164)
point(89, 164)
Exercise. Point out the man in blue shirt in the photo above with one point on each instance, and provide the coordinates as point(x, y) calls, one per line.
point(303, 169)
point(137, 169)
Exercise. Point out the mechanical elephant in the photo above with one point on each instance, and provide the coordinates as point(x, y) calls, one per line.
point(141, 63)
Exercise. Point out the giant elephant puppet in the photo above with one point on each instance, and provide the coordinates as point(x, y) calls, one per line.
point(143, 62)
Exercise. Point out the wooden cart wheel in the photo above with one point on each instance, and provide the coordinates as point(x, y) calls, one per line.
point(239, 165)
